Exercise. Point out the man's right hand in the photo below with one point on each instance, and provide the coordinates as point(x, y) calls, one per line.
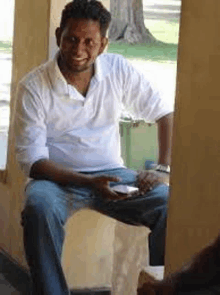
point(100, 185)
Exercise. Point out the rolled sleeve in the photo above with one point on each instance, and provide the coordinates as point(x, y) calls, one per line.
point(141, 98)
point(30, 129)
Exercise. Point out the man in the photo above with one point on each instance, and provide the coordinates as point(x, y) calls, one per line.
point(68, 142)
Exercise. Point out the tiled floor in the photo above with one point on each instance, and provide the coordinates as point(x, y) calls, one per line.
point(6, 288)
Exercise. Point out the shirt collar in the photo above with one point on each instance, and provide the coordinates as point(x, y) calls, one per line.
point(59, 83)
point(102, 67)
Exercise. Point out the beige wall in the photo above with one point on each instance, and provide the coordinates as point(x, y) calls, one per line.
point(195, 204)
point(106, 3)
point(88, 250)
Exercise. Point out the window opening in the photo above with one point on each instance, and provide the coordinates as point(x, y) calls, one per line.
point(157, 60)
point(6, 37)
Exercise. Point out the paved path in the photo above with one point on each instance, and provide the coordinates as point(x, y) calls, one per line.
point(162, 9)
point(6, 288)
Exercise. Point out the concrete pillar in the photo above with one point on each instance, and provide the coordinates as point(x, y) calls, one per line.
point(194, 204)
point(30, 48)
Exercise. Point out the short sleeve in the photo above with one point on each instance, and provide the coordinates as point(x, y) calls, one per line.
point(141, 98)
point(30, 129)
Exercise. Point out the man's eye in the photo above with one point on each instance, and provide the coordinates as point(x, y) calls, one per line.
point(73, 39)
point(89, 42)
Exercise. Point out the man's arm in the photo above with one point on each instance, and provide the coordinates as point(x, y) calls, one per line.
point(45, 169)
point(148, 179)
point(33, 154)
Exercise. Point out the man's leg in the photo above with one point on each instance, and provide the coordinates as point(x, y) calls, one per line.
point(46, 211)
point(149, 210)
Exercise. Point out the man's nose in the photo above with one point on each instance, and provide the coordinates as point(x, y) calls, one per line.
point(79, 47)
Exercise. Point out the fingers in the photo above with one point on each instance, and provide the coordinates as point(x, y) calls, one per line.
point(110, 194)
point(114, 178)
point(147, 180)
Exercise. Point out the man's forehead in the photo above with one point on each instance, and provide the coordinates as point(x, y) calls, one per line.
point(86, 26)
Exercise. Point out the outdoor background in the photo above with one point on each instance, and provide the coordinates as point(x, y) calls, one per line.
point(157, 61)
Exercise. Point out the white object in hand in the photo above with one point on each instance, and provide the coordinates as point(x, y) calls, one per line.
point(125, 189)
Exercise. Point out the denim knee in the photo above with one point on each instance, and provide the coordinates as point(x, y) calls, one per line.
point(35, 210)
point(42, 201)
point(161, 195)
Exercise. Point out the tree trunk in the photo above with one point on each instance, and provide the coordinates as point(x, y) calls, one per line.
point(128, 22)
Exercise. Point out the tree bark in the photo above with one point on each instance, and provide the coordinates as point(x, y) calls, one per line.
point(128, 22)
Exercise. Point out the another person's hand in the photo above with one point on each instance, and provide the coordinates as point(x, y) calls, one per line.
point(148, 179)
point(100, 185)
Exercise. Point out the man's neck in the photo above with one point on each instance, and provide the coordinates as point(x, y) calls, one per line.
point(80, 80)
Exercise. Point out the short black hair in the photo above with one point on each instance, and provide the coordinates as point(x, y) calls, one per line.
point(88, 9)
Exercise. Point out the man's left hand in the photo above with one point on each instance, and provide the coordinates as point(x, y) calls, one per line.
point(147, 180)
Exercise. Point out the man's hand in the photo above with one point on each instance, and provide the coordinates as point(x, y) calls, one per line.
point(100, 185)
point(148, 179)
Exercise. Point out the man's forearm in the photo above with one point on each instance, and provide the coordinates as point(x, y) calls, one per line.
point(47, 170)
point(165, 127)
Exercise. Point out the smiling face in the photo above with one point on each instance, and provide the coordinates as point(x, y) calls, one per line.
point(80, 42)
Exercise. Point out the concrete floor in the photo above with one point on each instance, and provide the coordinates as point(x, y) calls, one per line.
point(6, 288)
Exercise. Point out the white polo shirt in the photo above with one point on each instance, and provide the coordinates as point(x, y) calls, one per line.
point(54, 121)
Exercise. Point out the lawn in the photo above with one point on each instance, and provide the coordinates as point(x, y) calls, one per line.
point(167, 34)
point(152, 52)
point(166, 31)
point(5, 46)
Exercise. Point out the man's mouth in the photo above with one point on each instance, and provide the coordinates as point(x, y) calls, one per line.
point(78, 59)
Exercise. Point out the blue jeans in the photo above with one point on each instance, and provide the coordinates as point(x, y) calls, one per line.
point(48, 207)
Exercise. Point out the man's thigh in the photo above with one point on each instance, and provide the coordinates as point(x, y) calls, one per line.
point(48, 196)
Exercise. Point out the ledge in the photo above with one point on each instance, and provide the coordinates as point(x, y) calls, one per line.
point(3, 176)
point(19, 277)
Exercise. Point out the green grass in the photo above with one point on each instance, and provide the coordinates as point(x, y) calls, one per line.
point(153, 52)
point(167, 34)
point(166, 31)
point(5, 47)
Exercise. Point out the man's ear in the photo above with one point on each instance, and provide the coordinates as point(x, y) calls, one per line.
point(58, 34)
point(103, 45)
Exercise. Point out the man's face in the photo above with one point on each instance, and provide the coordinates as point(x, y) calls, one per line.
point(80, 42)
